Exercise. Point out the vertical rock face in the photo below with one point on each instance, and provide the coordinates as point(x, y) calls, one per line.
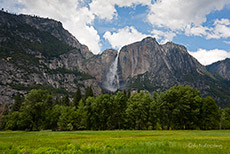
point(98, 66)
point(25, 25)
point(154, 67)
point(139, 57)
point(221, 68)
point(164, 62)
point(37, 52)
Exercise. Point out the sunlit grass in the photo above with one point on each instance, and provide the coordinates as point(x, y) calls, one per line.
point(216, 141)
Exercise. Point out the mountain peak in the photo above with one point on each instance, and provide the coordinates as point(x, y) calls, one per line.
point(149, 38)
point(145, 64)
point(221, 68)
point(174, 45)
point(110, 51)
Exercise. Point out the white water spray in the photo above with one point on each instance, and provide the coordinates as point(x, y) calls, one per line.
point(112, 78)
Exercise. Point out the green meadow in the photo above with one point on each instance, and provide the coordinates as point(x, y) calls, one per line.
point(128, 142)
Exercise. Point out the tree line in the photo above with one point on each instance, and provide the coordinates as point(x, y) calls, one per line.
point(180, 107)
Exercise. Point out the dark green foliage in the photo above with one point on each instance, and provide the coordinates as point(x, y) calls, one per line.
point(210, 114)
point(89, 113)
point(218, 88)
point(82, 116)
point(17, 103)
point(153, 112)
point(120, 105)
point(128, 93)
point(77, 97)
point(66, 118)
point(225, 118)
point(88, 92)
point(31, 114)
point(49, 45)
point(52, 117)
point(103, 112)
point(138, 110)
point(180, 107)
point(65, 100)
point(3, 112)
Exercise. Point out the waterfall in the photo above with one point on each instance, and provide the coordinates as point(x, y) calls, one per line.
point(112, 78)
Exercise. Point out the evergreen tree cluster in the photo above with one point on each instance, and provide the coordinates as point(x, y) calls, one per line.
point(180, 107)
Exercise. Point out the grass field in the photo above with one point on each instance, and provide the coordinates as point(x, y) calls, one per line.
point(131, 142)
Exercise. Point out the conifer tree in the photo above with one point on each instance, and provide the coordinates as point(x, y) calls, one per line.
point(88, 92)
point(17, 103)
point(77, 97)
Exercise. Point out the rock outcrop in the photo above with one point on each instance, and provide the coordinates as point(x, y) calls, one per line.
point(98, 66)
point(154, 67)
point(39, 53)
point(165, 65)
point(221, 68)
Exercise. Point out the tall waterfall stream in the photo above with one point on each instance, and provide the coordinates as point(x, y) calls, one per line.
point(112, 78)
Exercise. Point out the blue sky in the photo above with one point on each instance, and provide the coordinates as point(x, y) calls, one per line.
point(202, 26)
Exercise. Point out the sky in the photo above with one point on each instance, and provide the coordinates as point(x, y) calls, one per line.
point(202, 26)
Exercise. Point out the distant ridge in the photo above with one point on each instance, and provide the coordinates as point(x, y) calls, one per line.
point(39, 53)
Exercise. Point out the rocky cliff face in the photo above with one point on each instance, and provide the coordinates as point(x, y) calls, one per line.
point(221, 68)
point(165, 65)
point(154, 67)
point(98, 66)
point(50, 26)
point(40, 53)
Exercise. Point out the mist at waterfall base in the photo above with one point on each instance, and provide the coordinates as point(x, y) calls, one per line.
point(112, 78)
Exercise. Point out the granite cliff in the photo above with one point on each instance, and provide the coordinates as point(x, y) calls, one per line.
point(39, 53)
point(165, 65)
point(154, 67)
point(221, 68)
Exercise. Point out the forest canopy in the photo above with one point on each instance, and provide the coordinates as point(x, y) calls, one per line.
point(180, 107)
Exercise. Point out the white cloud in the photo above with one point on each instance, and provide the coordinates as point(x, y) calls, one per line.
point(221, 29)
point(162, 36)
point(177, 14)
point(10, 5)
point(207, 57)
point(196, 31)
point(222, 22)
point(227, 42)
point(131, 3)
point(76, 19)
point(105, 9)
point(123, 37)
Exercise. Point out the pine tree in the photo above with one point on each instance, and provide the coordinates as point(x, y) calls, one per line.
point(65, 100)
point(125, 93)
point(89, 92)
point(77, 97)
point(17, 103)
point(128, 93)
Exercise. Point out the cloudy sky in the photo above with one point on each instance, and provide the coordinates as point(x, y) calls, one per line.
point(203, 26)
